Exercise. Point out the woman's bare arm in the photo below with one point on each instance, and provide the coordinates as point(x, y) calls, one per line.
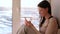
point(52, 27)
point(29, 24)
point(37, 32)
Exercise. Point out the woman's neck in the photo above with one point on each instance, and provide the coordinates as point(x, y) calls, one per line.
point(47, 16)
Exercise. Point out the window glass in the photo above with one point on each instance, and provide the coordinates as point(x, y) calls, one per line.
point(5, 16)
point(30, 12)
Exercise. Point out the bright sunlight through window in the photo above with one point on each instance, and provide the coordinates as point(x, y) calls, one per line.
point(30, 12)
point(5, 16)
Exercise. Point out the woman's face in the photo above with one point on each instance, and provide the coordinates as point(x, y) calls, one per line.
point(43, 11)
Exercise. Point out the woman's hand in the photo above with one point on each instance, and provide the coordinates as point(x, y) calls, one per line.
point(28, 23)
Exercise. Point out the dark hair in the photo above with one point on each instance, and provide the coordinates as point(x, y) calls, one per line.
point(44, 4)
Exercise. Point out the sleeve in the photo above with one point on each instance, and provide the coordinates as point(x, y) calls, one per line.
point(52, 27)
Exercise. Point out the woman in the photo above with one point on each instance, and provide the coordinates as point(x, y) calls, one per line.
point(48, 25)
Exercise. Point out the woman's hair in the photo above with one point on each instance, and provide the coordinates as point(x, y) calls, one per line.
point(44, 4)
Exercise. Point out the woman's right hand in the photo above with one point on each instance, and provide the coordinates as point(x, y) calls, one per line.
point(28, 23)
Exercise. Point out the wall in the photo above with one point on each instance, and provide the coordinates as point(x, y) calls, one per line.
point(16, 16)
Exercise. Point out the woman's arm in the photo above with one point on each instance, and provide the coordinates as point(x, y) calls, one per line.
point(37, 32)
point(52, 27)
point(29, 24)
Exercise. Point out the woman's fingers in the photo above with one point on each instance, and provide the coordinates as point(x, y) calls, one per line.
point(27, 23)
point(25, 19)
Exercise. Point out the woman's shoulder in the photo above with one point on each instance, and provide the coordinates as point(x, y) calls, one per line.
point(53, 19)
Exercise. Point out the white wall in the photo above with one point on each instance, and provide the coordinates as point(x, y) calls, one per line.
point(16, 16)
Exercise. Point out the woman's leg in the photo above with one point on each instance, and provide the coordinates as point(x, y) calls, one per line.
point(25, 30)
point(21, 30)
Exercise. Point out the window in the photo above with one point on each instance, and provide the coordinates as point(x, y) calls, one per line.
point(5, 16)
point(30, 12)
